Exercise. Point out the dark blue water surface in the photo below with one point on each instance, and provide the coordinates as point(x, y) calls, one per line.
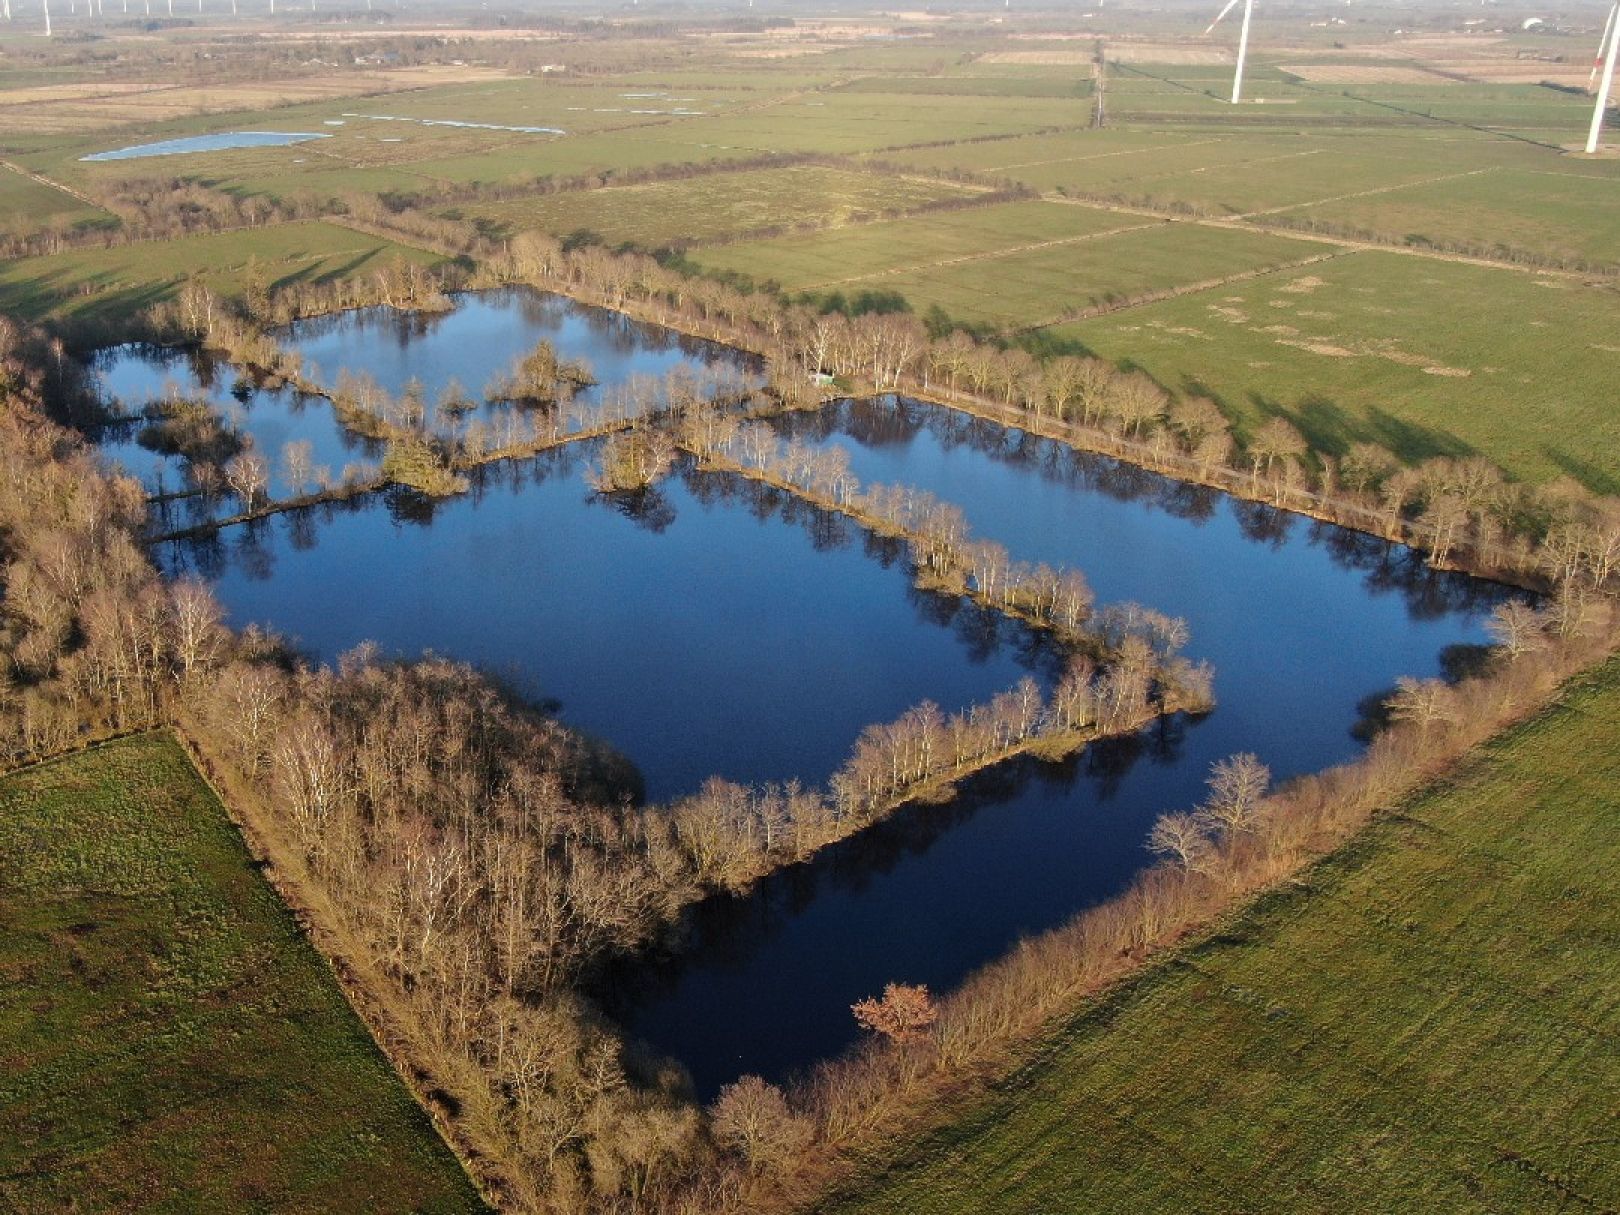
point(137, 376)
point(487, 332)
point(1301, 621)
point(702, 633)
point(717, 629)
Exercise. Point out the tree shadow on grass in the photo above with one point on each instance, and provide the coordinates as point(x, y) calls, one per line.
point(1594, 478)
point(1332, 429)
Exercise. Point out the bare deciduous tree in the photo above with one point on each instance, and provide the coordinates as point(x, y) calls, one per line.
point(1182, 839)
point(904, 1013)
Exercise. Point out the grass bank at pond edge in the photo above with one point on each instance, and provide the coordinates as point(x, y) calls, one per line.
point(1421, 1021)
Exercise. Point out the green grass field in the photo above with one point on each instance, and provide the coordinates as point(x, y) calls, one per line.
point(1426, 357)
point(1037, 286)
point(1425, 1022)
point(114, 284)
point(863, 252)
point(1546, 211)
point(713, 207)
point(26, 205)
point(169, 1040)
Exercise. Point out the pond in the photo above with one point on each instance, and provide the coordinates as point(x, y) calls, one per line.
point(218, 142)
point(477, 341)
point(455, 122)
point(488, 331)
point(1302, 622)
point(133, 377)
point(719, 628)
point(711, 630)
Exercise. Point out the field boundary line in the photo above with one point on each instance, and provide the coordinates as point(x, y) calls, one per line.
point(1408, 185)
point(1170, 293)
point(41, 179)
point(1239, 224)
point(1064, 160)
point(987, 255)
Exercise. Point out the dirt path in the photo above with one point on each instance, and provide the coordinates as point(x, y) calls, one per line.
point(54, 185)
point(1405, 185)
point(1065, 160)
point(985, 255)
point(1238, 224)
point(1170, 293)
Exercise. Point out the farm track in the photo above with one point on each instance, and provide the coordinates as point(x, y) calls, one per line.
point(986, 255)
point(1066, 160)
point(1406, 185)
point(1238, 224)
point(41, 179)
point(1170, 293)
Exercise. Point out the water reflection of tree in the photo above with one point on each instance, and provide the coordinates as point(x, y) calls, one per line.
point(649, 509)
point(252, 551)
point(888, 421)
point(983, 633)
point(410, 506)
point(726, 931)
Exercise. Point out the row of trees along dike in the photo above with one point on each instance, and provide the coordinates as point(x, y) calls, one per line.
point(471, 859)
point(1462, 512)
point(464, 858)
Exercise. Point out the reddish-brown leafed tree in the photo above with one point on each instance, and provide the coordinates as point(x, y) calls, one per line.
point(904, 1013)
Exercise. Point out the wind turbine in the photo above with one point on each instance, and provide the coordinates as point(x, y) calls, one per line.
point(47, 18)
point(1598, 112)
point(1243, 42)
point(1603, 43)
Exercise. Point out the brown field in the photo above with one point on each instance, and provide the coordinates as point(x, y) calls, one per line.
point(1175, 56)
point(1364, 73)
point(75, 108)
point(1528, 71)
point(1039, 58)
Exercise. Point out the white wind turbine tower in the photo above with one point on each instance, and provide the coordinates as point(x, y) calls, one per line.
point(1596, 132)
point(1603, 45)
point(1243, 42)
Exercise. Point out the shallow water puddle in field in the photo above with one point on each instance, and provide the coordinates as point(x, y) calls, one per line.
point(218, 142)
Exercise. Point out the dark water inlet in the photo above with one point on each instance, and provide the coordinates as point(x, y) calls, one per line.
point(719, 628)
point(1302, 622)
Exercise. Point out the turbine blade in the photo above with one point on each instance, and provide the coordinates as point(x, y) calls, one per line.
point(1230, 5)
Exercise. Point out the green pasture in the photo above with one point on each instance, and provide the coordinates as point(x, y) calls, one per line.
point(169, 1040)
point(110, 286)
point(26, 205)
point(1427, 357)
point(868, 253)
point(1037, 286)
point(713, 206)
point(1547, 211)
point(1424, 1022)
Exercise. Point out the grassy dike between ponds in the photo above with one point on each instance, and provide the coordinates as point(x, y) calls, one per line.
point(1424, 1020)
point(169, 1039)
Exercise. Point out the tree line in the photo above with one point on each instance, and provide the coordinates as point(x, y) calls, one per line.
point(1463, 512)
point(945, 556)
point(509, 864)
point(790, 1143)
point(469, 857)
